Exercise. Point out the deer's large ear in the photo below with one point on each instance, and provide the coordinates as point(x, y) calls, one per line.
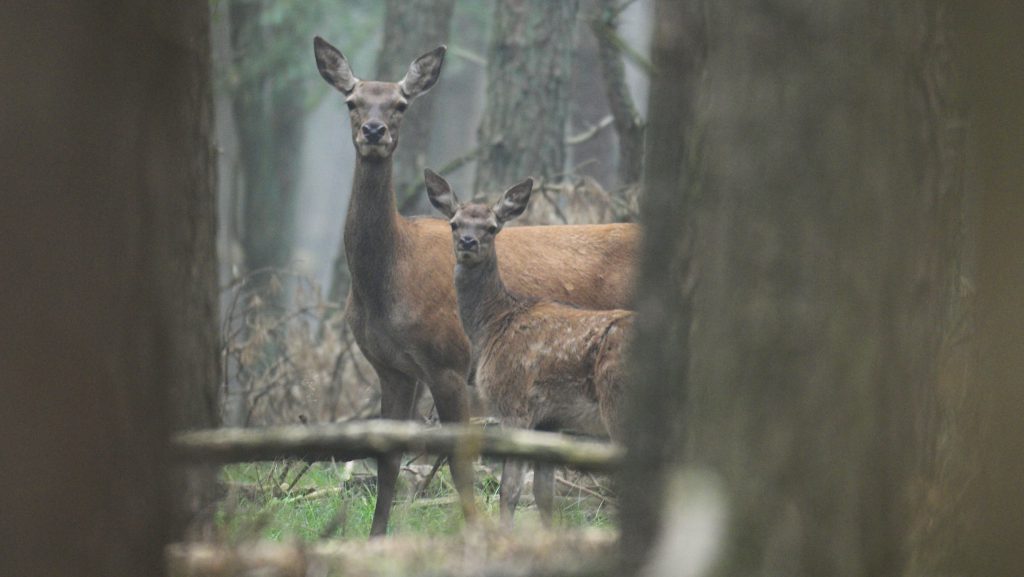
point(333, 66)
point(440, 193)
point(513, 202)
point(423, 73)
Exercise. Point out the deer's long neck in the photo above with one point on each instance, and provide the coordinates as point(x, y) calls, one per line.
point(372, 228)
point(483, 298)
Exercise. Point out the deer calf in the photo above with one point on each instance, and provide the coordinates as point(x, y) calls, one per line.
point(540, 364)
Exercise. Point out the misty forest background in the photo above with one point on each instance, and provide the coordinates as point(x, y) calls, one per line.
point(552, 90)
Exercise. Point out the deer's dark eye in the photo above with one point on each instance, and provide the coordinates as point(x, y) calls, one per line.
point(351, 105)
point(401, 106)
point(454, 226)
point(492, 229)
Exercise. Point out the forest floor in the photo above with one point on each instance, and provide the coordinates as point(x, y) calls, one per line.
point(314, 520)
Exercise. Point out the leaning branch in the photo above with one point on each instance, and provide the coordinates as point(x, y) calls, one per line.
point(366, 439)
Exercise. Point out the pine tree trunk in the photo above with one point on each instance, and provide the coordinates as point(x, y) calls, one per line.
point(110, 303)
point(528, 74)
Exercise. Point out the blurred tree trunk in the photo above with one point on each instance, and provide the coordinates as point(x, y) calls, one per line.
point(985, 525)
point(268, 115)
point(529, 66)
point(667, 274)
point(823, 221)
point(411, 28)
point(110, 303)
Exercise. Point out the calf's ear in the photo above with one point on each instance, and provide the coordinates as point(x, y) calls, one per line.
point(440, 193)
point(513, 202)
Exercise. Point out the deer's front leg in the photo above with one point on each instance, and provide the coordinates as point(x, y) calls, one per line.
point(397, 395)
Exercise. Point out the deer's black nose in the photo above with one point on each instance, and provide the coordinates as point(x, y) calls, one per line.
point(374, 131)
point(467, 242)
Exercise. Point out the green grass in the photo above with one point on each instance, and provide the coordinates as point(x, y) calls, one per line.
point(314, 507)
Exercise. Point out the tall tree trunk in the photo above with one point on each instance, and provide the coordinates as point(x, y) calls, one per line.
point(109, 305)
point(816, 318)
point(989, 518)
point(628, 125)
point(268, 116)
point(528, 73)
point(596, 156)
point(412, 27)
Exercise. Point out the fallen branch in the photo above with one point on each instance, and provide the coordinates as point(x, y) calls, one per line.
point(366, 439)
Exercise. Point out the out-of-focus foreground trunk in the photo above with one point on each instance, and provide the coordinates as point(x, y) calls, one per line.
point(109, 294)
point(806, 179)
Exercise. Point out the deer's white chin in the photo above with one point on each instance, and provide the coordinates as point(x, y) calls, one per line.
point(467, 257)
point(367, 150)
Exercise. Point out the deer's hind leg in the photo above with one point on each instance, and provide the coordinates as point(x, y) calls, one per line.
point(512, 475)
point(544, 490)
point(451, 398)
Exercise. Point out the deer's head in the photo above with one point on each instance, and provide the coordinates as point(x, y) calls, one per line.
point(474, 225)
point(376, 108)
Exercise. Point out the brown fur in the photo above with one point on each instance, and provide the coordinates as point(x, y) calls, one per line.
point(402, 305)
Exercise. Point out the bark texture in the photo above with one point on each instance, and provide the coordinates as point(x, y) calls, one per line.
point(411, 28)
point(107, 307)
point(528, 75)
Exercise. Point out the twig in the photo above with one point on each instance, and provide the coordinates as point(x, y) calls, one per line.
point(430, 477)
point(589, 133)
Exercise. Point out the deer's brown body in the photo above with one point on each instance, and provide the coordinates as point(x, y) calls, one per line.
point(402, 307)
point(539, 363)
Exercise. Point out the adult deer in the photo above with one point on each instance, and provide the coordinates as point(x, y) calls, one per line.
point(401, 306)
point(539, 364)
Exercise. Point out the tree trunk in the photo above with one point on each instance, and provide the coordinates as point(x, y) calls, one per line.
point(667, 273)
point(411, 28)
point(628, 125)
point(109, 305)
point(816, 326)
point(528, 74)
point(988, 519)
point(268, 114)
point(596, 156)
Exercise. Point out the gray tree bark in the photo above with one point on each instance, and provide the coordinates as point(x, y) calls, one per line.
point(528, 73)
point(411, 28)
point(268, 115)
point(107, 304)
point(814, 331)
point(628, 125)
